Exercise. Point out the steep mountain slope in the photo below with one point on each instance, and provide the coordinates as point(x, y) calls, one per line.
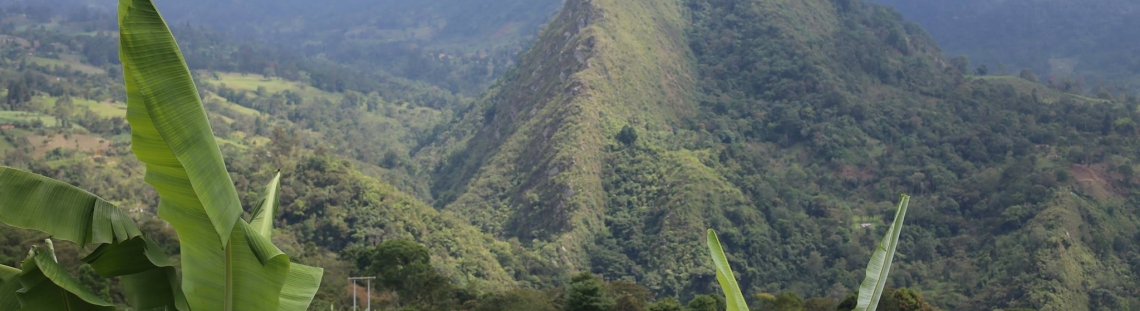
point(791, 126)
point(332, 205)
point(529, 163)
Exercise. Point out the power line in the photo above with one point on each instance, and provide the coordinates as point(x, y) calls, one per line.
point(368, 280)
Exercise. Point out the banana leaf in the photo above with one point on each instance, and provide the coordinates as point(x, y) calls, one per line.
point(300, 286)
point(733, 297)
point(226, 264)
point(880, 265)
point(8, 287)
point(266, 208)
point(169, 129)
point(68, 213)
point(149, 279)
point(46, 286)
point(302, 281)
point(31, 201)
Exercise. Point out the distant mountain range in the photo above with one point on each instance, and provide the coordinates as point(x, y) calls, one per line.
point(1097, 38)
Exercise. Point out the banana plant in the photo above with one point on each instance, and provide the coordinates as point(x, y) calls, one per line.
point(227, 263)
point(733, 297)
point(869, 292)
point(876, 280)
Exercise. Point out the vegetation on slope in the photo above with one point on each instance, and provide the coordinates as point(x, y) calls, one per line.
point(806, 119)
point(627, 130)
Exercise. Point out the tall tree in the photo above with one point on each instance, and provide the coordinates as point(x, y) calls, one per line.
point(404, 266)
point(63, 110)
point(586, 293)
point(18, 94)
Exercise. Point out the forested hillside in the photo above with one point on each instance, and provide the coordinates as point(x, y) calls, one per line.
point(461, 46)
point(63, 116)
point(1094, 42)
point(610, 146)
point(789, 126)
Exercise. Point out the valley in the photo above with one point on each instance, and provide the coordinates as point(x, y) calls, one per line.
point(621, 131)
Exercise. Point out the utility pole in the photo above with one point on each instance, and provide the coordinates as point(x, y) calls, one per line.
point(368, 280)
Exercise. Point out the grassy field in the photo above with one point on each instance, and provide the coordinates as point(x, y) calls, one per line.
point(5, 146)
point(69, 60)
point(103, 109)
point(237, 108)
point(26, 117)
point(251, 82)
point(79, 142)
point(1023, 86)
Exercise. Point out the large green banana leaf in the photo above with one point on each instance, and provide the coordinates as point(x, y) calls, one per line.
point(31, 201)
point(68, 213)
point(266, 208)
point(875, 282)
point(170, 132)
point(226, 264)
point(8, 287)
point(148, 277)
point(733, 297)
point(46, 286)
point(302, 281)
point(300, 286)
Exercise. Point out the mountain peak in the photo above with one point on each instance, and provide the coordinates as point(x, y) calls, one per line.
point(540, 132)
point(632, 126)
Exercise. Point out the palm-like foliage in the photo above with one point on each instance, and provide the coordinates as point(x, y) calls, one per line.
point(869, 292)
point(227, 263)
point(880, 264)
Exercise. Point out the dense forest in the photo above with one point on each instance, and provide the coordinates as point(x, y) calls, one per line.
point(581, 174)
point(459, 46)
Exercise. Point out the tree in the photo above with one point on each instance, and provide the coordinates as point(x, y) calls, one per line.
point(391, 160)
point(848, 302)
point(18, 94)
point(586, 293)
point(282, 145)
point(516, 300)
point(705, 303)
point(789, 301)
point(628, 135)
point(404, 266)
point(667, 304)
point(628, 296)
point(910, 300)
point(64, 109)
point(820, 304)
point(228, 263)
point(899, 300)
point(1028, 75)
point(982, 70)
point(961, 63)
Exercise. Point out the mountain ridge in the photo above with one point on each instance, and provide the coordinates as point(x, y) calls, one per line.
point(788, 126)
point(564, 93)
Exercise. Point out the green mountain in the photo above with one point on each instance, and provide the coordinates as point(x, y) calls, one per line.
point(626, 130)
point(790, 126)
